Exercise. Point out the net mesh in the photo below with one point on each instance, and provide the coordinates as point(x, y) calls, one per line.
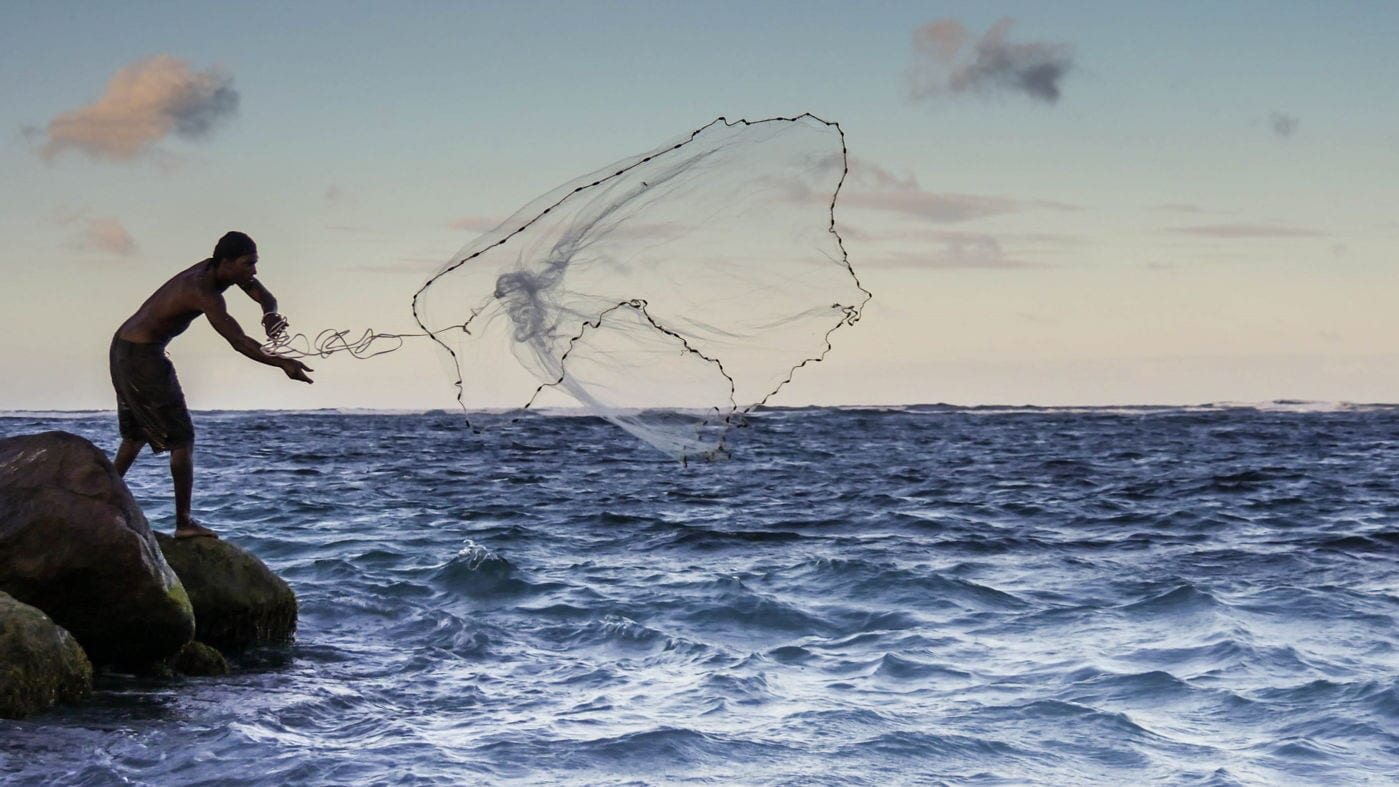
point(670, 293)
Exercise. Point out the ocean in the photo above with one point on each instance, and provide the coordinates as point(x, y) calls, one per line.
point(912, 595)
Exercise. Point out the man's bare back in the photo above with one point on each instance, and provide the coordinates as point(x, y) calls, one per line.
point(150, 404)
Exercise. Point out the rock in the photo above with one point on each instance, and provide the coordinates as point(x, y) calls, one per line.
point(40, 663)
point(74, 543)
point(238, 601)
point(200, 660)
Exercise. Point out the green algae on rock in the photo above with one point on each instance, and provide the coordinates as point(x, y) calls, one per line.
point(40, 663)
point(238, 601)
point(199, 660)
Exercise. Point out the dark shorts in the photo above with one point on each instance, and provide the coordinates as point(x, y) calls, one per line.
point(150, 404)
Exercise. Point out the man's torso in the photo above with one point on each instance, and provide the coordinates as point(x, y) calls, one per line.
point(172, 307)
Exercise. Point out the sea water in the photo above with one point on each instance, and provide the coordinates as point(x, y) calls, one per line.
point(858, 596)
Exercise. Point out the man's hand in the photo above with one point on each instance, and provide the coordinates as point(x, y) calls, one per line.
point(296, 370)
point(275, 324)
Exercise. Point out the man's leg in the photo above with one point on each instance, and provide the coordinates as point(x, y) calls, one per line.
point(182, 473)
point(127, 454)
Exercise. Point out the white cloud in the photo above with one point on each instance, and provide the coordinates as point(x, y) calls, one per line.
point(144, 103)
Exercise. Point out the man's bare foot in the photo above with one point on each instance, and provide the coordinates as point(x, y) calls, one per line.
point(193, 529)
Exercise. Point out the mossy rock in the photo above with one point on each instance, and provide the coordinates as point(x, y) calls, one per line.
point(199, 660)
point(238, 601)
point(41, 664)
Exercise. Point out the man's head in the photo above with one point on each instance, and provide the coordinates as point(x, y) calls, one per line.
point(235, 258)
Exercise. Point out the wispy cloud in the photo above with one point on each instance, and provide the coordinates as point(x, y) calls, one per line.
point(100, 234)
point(1283, 124)
point(1246, 231)
point(944, 63)
point(932, 206)
point(968, 252)
point(144, 103)
point(1039, 240)
point(872, 187)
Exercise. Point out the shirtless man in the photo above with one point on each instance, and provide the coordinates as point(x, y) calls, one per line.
point(150, 405)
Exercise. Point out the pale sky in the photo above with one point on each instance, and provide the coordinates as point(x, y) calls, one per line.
point(1090, 203)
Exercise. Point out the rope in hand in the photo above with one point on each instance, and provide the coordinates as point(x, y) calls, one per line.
point(328, 342)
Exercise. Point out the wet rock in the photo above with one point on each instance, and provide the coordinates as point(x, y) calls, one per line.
point(40, 663)
point(200, 660)
point(238, 601)
point(74, 544)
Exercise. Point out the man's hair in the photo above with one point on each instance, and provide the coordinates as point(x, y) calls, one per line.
point(233, 245)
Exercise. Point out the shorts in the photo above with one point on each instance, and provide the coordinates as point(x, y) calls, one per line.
point(150, 405)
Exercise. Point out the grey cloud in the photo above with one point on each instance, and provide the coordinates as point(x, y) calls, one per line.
point(143, 104)
point(1283, 125)
point(943, 63)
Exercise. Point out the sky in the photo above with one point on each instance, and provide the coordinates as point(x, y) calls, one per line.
point(1053, 203)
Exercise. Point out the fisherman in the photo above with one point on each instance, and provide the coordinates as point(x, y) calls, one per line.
point(150, 405)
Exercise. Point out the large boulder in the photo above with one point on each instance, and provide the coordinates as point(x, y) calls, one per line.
point(40, 663)
point(238, 601)
point(74, 543)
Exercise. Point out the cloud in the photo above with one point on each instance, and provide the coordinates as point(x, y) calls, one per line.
point(144, 103)
point(1283, 125)
point(103, 234)
point(932, 207)
point(961, 251)
point(872, 187)
point(1246, 231)
point(943, 63)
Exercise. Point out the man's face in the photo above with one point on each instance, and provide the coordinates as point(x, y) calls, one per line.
point(244, 268)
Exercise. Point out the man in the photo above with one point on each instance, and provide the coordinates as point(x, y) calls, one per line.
point(150, 405)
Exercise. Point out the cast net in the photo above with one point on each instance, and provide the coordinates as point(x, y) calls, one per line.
point(670, 293)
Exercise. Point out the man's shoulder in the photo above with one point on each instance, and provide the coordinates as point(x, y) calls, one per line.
point(194, 287)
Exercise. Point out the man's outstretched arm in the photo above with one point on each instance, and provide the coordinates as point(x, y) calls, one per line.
point(229, 329)
point(272, 321)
